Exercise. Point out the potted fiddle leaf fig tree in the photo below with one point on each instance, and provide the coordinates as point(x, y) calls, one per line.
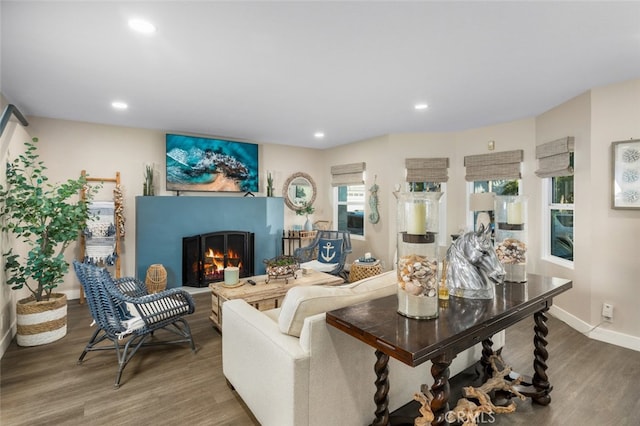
point(44, 220)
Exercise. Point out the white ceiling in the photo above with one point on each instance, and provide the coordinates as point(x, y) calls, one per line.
point(277, 72)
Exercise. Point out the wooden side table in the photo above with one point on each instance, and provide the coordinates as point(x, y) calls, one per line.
point(263, 295)
point(360, 270)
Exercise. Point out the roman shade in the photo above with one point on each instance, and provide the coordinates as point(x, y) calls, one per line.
point(348, 174)
point(427, 169)
point(494, 166)
point(554, 158)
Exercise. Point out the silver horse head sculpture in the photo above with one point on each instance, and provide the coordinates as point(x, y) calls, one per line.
point(472, 266)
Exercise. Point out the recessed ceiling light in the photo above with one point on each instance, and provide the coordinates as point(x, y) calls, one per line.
point(142, 26)
point(119, 105)
point(318, 135)
point(421, 107)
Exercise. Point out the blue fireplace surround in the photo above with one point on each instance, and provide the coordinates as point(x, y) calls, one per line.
point(162, 222)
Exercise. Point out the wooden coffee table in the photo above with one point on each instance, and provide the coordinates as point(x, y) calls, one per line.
point(263, 295)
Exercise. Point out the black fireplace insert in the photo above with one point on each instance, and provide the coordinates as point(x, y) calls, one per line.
point(205, 256)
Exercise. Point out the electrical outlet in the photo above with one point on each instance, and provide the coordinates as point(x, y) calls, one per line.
point(607, 311)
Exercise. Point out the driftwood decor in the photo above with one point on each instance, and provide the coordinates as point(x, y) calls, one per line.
point(468, 412)
point(424, 397)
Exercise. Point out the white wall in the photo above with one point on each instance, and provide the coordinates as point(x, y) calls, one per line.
point(614, 243)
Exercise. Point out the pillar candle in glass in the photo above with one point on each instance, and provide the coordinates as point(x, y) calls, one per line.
point(417, 269)
point(416, 216)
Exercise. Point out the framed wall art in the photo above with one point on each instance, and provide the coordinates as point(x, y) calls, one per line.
point(625, 157)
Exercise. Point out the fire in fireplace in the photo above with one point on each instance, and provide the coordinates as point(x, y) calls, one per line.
point(205, 256)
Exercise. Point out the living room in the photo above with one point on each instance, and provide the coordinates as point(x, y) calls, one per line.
point(584, 117)
point(605, 266)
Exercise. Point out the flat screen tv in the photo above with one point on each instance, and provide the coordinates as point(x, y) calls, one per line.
point(203, 164)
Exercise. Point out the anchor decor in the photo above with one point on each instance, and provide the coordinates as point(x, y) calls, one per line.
point(328, 251)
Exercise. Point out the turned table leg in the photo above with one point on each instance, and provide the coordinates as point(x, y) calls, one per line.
point(440, 389)
point(485, 360)
point(381, 396)
point(540, 380)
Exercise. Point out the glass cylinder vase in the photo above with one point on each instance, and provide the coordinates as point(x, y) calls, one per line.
point(417, 244)
point(511, 236)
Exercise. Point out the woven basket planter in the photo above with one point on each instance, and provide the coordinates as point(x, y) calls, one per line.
point(41, 322)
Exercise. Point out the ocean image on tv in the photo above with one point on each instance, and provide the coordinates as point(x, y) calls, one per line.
point(203, 164)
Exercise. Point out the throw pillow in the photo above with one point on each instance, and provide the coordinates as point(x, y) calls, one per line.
point(329, 251)
point(304, 301)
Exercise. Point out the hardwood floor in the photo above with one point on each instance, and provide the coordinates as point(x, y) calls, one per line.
point(161, 385)
point(594, 383)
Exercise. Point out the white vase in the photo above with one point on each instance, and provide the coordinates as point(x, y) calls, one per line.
point(307, 225)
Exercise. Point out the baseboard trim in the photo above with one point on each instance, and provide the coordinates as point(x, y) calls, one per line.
point(72, 294)
point(595, 332)
point(6, 341)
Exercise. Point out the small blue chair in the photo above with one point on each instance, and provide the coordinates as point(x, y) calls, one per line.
point(127, 316)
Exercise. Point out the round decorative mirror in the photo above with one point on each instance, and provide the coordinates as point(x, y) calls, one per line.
point(299, 190)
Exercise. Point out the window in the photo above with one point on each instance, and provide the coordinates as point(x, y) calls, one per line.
point(349, 197)
point(425, 187)
point(498, 187)
point(555, 166)
point(559, 231)
point(497, 172)
point(349, 213)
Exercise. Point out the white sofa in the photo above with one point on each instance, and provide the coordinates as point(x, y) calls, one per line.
point(324, 376)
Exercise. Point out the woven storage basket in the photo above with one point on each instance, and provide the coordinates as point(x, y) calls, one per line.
point(156, 279)
point(41, 322)
point(360, 271)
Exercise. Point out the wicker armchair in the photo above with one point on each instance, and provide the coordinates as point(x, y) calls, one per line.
point(308, 255)
point(127, 316)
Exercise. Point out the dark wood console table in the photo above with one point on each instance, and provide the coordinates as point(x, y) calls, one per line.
point(461, 324)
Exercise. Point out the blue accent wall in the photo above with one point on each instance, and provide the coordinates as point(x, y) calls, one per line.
point(162, 222)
